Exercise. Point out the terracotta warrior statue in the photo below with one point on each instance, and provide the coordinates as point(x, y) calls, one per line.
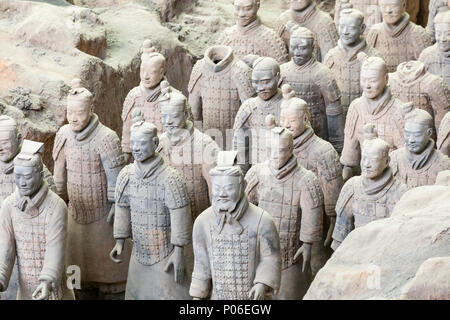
point(443, 136)
point(412, 83)
point(236, 244)
point(187, 149)
point(219, 83)
point(33, 229)
point(305, 13)
point(376, 106)
point(10, 144)
point(88, 159)
point(397, 38)
point(313, 82)
point(435, 7)
point(418, 162)
point(145, 96)
point(249, 36)
point(342, 59)
point(313, 153)
point(371, 196)
point(437, 57)
point(152, 207)
point(369, 8)
point(293, 197)
point(250, 132)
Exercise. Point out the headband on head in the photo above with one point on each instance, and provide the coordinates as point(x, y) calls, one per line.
point(371, 63)
point(302, 32)
point(418, 116)
point(29, 155)
point(78, 93)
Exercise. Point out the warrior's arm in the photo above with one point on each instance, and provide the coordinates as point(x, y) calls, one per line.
point(242, 138)
point(209, 154)
point(201, 276)
point(56, 233)
point(268, 269)
point(311, 204)
point(331, 182)
point(60, 168)
point(252, 181)
point(49, 179)
point(113, 160)
point(351, 152)
point(7, 246)
point(334, 111)
point(122, 217)
point(440, 100)
point(344, 221)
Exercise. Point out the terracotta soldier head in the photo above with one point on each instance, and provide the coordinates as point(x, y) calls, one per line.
point(246, 11)
point(266, 77)
point(418, 128)
point(374, 155)
point(143, 139)
point(28, 168)
point(351, 27)
point(10, 138)
point(281, 147)
point(301, 45)
point(227, 182)
point(442, 27)
point(392, 10)
point(374, 75)
point(294, 114)
point(299, 5)
point(153, 66)
point(80, 106)
point(174, 112)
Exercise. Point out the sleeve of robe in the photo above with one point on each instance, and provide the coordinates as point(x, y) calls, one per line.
point(7, 244)
point(59, 158)
point(122, 218)
point(344, 220)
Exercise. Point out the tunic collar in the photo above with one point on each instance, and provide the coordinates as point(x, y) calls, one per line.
point(233, 217)
point(8, 167)
point(418, 161)
point(184, 135)
point(289, 167)
point(375, 106)
point(150, 168)
point(152, 95)
point(306, 65)
point(395, 31)
point(250, 27)
point(31, 206)
point(86, 132)
point(301, 17)
point(304, 137)
point(222, 53)
point(352, 52)
point(372, 187)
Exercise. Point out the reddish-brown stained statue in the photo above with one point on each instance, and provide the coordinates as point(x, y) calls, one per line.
point(293, 197)
point(429, 92)
point(219, 84)
point(397, 38)
point(342, 59)
point(187, 149)
point(88, 159)
point(152, 207)
point(376, 106)
point(304, 13)
point(371, 196)
point(236, 244)
point(313, 82)
point(33, 229)
point(437, 57)
point(249, 36)
point(418, 162)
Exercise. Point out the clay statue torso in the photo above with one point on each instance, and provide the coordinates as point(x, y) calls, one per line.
point(436, 62)
point(425, 175)
point(400, 45)
point(425, 90)
point(314, 83)
point(346, 68)
point(319, 156)
point(255, 39)
point(222, 91)
point(193, 158)
point(319, 22)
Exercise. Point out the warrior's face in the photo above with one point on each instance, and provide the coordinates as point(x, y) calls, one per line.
point(443, 36)
point(350, 29)
point(280, 150)
point(373, 162)
point(226, 192)
point(27, 179)
point(9, 145)
point(298, 5)
point(79, 113)
point(373, 82)
point(152, 72)
point(301, 49)
point(265, 82)
point(143, 145)
point(173, 119)
point(293, 120)
point(392, 10)
point(417, 137)
point(245, 11)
